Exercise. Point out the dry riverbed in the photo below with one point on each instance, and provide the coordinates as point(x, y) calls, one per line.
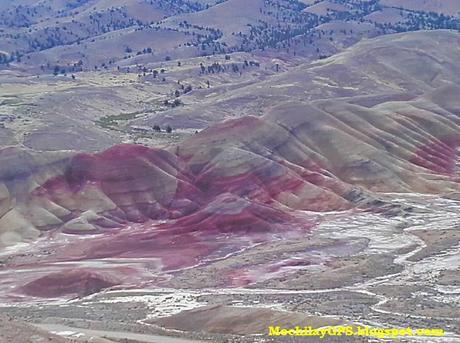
point(355, 269)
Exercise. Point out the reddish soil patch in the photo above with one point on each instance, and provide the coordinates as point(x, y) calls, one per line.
point(80, 282)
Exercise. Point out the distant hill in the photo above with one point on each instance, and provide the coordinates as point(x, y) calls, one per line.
point(446, 7)
point(64, 36)
point(383, 69)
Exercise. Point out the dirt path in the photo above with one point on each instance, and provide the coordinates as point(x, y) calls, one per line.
point(77, 333)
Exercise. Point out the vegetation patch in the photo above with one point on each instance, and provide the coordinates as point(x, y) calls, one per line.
point(113, 122)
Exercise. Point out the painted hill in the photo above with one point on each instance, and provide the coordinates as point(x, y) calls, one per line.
point(296, 157)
